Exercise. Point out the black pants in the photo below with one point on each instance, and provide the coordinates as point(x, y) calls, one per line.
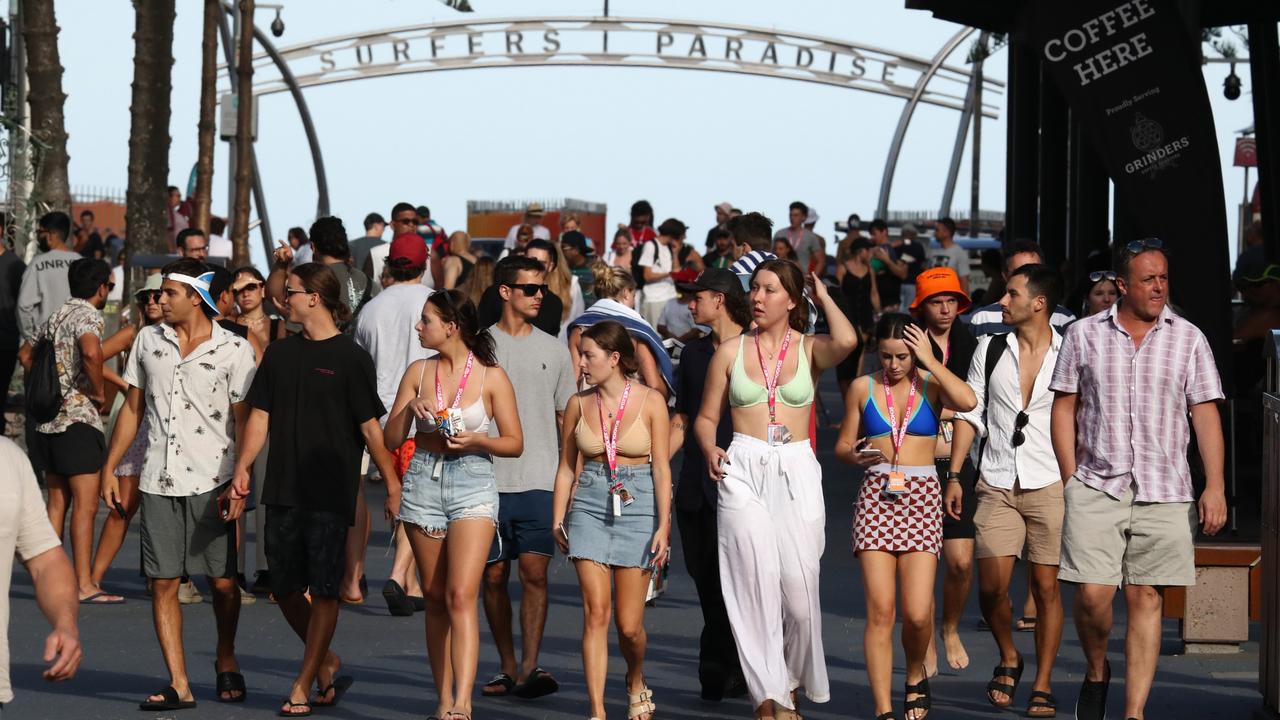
point(717, 653)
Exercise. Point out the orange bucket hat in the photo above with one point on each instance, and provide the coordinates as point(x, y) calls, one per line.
point(936, 281)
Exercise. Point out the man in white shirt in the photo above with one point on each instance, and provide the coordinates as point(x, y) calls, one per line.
point(532, 217)
point(986, 319)
point(1019, 488)
point(657, 262)
point(404, 221)
point(190, 377)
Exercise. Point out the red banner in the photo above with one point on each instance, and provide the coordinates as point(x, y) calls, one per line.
point(1246, 152)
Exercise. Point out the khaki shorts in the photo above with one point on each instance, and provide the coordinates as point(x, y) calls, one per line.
point(1009, 520)
point(1106, 541)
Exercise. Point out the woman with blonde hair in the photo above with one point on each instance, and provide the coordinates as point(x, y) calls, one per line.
point(613, 519)
point(459, 263)
point(616, 299)
point(480, 278)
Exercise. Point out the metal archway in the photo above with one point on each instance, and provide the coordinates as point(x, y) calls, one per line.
point(621, 42)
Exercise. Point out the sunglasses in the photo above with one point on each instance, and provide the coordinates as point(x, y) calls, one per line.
point(530, 289)
point(247, 287)
point(1137, 246)
point(1018, 437)
point(146, 297)
point(110, 286)
point(1097, 275)
point(288, 292)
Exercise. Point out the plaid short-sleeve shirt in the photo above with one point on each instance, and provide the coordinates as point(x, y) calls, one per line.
point(1132, 424)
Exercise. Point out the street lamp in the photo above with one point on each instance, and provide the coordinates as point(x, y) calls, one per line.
point(277, 25)
point(1231, 86)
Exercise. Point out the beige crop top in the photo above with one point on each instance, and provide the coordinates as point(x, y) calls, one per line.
point(633, 441)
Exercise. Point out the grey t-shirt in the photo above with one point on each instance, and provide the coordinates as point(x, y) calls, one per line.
point(954, 257)
point(44, 289)
point(805, 243)
point(542, 375)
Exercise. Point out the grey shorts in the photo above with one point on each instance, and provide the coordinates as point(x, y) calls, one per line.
point(1106, 541)
point(186, 536)
point(439, 489)
point(596, 534)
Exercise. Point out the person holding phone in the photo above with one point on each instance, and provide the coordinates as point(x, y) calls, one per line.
point(190, 376)
point(771, 516)
point(614, 520)
point(890, 428)
point(450, 497)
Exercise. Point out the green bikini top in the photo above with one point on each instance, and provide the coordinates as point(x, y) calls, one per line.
point(745, 392)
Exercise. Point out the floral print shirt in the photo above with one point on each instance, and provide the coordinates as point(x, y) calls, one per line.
point(190, 424)
point(75, 319)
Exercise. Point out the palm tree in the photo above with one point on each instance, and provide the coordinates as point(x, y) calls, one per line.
point(52, 190)
point(149, 139)
point(205, 127)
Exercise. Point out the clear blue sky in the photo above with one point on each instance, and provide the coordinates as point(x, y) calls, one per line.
point(683, 140)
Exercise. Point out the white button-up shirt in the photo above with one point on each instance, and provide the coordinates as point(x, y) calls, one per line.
point(1031, 465)
point(188, 406)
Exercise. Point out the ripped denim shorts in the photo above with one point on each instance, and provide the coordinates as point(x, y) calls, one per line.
point(439, 489)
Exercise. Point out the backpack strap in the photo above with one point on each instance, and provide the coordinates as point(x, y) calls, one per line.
point(995, 348)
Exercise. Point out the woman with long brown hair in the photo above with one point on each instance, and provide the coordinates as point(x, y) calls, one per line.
point(450, 498)
point(613, 521)
point(460, 261)
point(771, 514)
point(480, 279)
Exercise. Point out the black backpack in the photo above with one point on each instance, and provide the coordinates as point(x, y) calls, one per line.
point(995, 349)
point(44, 391)
point(637, 272)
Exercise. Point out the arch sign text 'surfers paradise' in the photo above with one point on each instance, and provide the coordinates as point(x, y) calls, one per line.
point(1131, 72)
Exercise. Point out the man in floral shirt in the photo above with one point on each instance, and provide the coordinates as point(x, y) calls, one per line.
point(190, 376)
point(70, 447)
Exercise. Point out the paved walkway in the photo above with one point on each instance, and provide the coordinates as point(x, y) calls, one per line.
point(387, 655)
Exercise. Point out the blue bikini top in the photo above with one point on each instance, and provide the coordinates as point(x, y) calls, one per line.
point(924, 419)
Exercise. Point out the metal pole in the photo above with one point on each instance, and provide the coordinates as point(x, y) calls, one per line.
point(976, 163)
point(895, 147)
point(957, 149)
point(228, 45)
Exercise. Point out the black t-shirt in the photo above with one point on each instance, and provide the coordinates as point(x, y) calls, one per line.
point(234, 327)
point(913, 254)
point(695, 486)
point(961, 344)
point(548, 320)
point(318, 393)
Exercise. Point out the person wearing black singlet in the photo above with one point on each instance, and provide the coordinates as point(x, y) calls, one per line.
point(458, 264)
point(860, 300)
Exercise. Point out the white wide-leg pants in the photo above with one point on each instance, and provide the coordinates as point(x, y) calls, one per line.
point(772, 524)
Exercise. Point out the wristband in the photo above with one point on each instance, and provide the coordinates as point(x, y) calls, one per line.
point(953, 476)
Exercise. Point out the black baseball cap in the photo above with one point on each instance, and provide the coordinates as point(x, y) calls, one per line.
point(716, 280)
point(577, 240)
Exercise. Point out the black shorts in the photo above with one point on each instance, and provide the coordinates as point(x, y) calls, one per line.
point(305, 549)
point(962, 529)
point(79, 450)
point(524, 525)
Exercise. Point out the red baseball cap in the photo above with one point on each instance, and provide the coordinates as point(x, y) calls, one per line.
point(410, 249)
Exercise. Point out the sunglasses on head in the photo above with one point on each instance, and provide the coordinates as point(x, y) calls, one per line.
point(1097, 275)
point(146, 297)
point(530, 289)
point(1136, 246)
point(1018, 437)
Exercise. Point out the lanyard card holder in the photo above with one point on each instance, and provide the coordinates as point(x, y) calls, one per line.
point(896, 483)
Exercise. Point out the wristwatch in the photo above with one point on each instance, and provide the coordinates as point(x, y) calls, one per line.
point(953, 476)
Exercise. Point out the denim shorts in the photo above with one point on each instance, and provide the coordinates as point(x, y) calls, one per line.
point(596, 534)
point(439, 489)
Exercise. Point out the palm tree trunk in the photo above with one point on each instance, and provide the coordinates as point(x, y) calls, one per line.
point(146, 199)
point(244, 137)
point(52, 189)
point(205, 127)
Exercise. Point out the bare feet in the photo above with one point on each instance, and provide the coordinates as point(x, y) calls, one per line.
point(957, 656)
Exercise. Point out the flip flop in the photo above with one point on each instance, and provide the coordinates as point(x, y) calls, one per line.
point(339, 686)
point(292, 705)
point(1025, 624)
point(169, 701)
point(229, 682)
point(398, 602)
point(539, 683)
point(499, 685)
point(93, 600)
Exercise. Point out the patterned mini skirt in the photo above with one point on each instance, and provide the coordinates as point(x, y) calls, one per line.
point(907, 522)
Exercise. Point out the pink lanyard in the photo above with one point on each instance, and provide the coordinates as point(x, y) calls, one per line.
point(771, 383)
point(610, 436)
point(462, 384)
point(898, 434)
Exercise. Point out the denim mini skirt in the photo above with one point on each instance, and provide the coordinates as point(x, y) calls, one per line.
point(439, 489)
point(594, 532)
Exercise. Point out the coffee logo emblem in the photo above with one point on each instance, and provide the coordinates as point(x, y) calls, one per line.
point(1145, 132)
point(1148, 138)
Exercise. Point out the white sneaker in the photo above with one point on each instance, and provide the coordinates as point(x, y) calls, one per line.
point(188, 594)
point(246, 597)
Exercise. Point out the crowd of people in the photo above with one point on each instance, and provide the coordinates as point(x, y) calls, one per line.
point(540, 401)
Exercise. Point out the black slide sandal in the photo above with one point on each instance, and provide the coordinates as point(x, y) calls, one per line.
point(1042, 705)
point(170, 701)
point(499, 685)
point(539, 683)
point(229, 682)
point(1015, 673)
point(398, 602)
point(924, 702)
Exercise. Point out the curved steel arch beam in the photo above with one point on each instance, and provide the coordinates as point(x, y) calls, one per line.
point(895, 147)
